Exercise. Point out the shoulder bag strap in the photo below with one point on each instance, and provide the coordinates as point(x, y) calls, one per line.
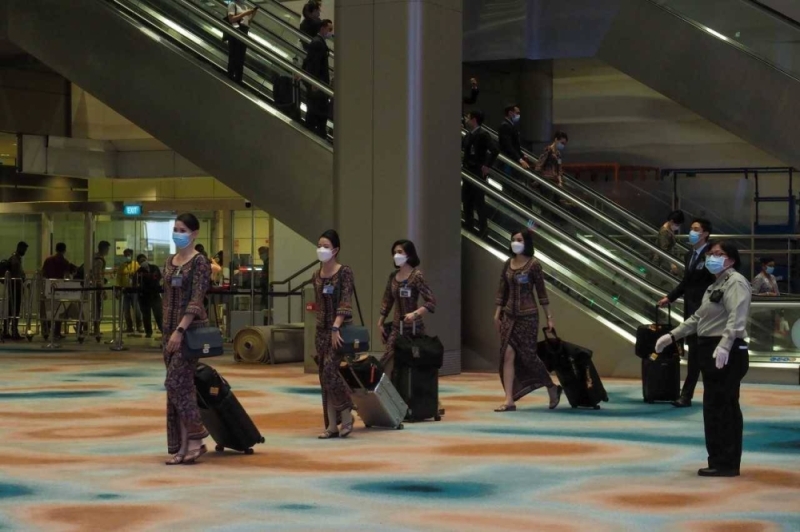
point(187, 295)
point(355, 296)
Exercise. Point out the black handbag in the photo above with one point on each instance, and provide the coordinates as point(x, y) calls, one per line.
point(418, 351)
point(355, 338)
point(200, 342)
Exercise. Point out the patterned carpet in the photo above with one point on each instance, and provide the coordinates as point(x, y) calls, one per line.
point(82, 447)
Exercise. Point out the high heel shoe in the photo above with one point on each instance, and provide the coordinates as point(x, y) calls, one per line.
point(192, 456)
point(327, 435)
point(346, 429)
point(554, 402)
point(176, 459)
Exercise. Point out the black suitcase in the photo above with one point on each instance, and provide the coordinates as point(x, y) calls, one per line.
point(222, 414)
point(578, 376)
point(419, 388)
point(286, 95)
point(661, 378)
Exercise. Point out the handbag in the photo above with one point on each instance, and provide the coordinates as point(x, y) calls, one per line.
point(200, 342)
point(355, 338)
point(418, 351)
point(648, 335)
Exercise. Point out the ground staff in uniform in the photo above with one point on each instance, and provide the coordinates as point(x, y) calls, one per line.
point(720, 326)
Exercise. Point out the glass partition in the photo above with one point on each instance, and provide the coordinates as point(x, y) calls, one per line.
point(774, 330)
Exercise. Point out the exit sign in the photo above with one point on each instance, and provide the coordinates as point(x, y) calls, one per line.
point(132, 210)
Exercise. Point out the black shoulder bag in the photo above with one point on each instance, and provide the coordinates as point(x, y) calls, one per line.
point(199, 342)
point(355, 338)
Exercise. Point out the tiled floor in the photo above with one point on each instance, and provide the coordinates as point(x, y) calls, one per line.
point(82, 446)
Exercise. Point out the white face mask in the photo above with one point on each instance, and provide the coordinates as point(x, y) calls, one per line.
point(517, 247)
point(400, 259)
point(324, 254)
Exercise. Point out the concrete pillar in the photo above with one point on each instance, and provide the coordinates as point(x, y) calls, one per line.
point(536, 102)
point(397, 149)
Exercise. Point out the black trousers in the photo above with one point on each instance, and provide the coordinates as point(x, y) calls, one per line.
point(693, 371)
point(14, 306)
point(474, 199)
point(151, 305)
point(722, 415)
point(237, 50)
point(317, 113)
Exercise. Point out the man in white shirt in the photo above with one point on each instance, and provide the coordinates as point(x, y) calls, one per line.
point(240, 18)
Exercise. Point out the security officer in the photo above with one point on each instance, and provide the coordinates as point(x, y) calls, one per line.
point(723, 357)
point(696, 278)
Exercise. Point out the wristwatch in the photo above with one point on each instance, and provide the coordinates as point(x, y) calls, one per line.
point(335, 329)
point(180, 330)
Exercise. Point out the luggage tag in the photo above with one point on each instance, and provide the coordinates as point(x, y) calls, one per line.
point(327, 290)
point(405, 292)
point(176, 281)
point(521, 278)
point(654, 356)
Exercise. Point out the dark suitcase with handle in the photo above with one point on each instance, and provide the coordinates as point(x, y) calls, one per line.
point(648, 335)
point(416, 373)
point(286, 95)
point(661, 378)
point(576, 372)
point(223, 416)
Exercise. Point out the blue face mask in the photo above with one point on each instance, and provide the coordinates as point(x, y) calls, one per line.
point(560, 145)
point(515, 119)
point(694, 237)
point(181, 239)
point(715, 264)
point(770, 270)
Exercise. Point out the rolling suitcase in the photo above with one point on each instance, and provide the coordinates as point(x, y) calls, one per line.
point(577, 374)
point(416, 374)
point(286, 95)
point(661, 378)
point(374, 396)
point(222, 414)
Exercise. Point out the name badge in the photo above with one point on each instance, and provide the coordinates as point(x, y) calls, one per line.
point(522, 278)
point(559, 160)
point(176, 281)
point(327, 290)
point(405, 292)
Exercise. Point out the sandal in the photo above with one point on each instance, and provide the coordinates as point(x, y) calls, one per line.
point(554, 403)
point(506, 408)
point(328, 435)
point(192, 456)
point(176, 459)
point(346, 429)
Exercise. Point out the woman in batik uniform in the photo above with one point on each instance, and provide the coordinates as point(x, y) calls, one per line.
point(333, 287)
point(187, 276)
point(517, 321)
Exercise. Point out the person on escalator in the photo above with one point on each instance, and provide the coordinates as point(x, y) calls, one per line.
point(696, 279)
point(480, 153)
point(510, 146)
point(666, 240)
point(316, 65)
point(549, 164)
point(240, 18)
point(311, 21)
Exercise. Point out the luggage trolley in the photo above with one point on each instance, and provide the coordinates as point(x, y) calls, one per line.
point(64, 305)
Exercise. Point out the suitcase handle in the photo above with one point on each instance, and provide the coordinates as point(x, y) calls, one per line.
point(413, 326)
point(669, 314)
point(553, 334)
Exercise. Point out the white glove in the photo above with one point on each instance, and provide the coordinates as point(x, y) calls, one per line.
point(663, 342)
point(721, 355)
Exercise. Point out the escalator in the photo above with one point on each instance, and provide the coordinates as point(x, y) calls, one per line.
point(161, 64)
point(173, 81)
point(731, 61)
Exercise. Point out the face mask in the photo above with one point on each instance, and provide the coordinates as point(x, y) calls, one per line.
point(517, 247)
point(515, 119)
point(675, 228)
point(128, 259)
point(182, 240)
point(263, 257)
point(560, 145)
point(143, 264)
point(715, 264)
point(770, 270)
point(324, 254)
point(694, 237)
point(400, 260)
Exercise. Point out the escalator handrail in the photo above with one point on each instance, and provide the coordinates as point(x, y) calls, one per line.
point(280, 6)
point(232, 33)
point(657, 293)
point(508, 181)
point(587, 208)
point(591, 192)
point(739, 46)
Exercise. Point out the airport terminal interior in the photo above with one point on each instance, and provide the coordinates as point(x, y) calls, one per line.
point(514, 339)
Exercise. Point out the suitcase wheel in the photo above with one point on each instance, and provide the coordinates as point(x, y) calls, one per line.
point(400, 426)
point(249, 451)
point(367, 426)
point(437, 418)
point(574, 406)
point(597, 407)
point(219, 448)
point(262, 440)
